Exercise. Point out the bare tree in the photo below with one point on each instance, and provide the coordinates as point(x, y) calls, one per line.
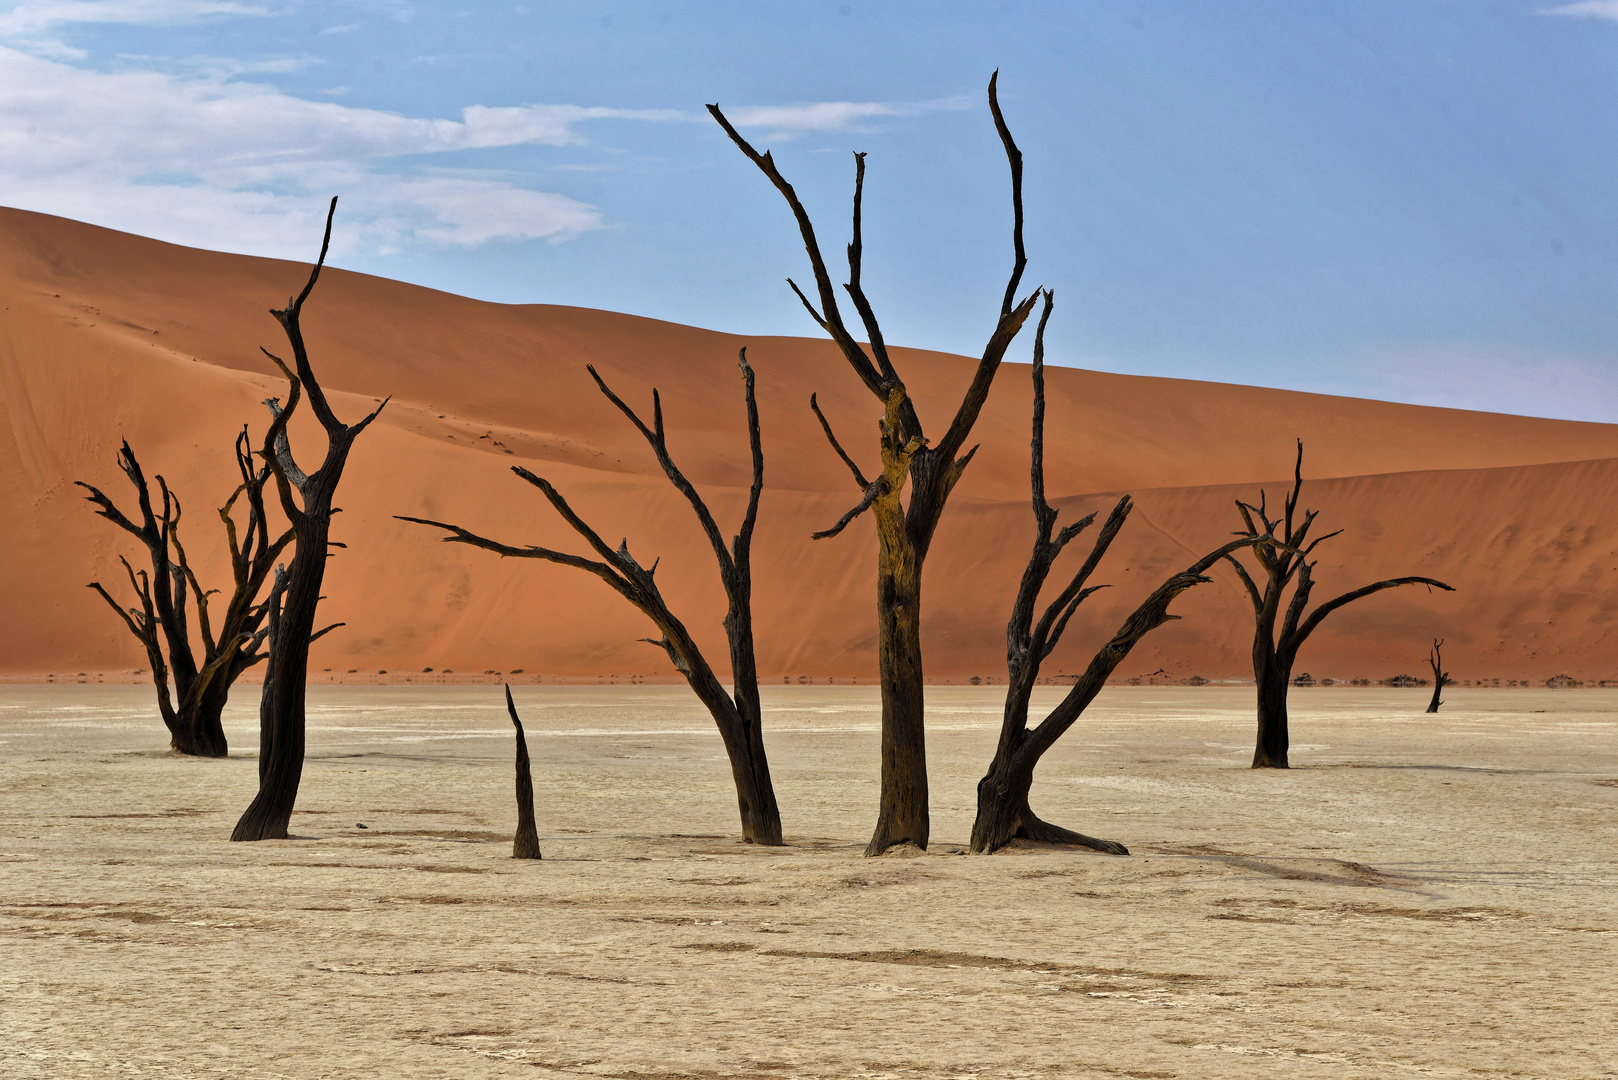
point(1440, 676)
point(738, 713)
point(1275, 650)
point(525, 845)
point(1003, 810)
point(297, 597)
point(161, 622)
point(905, 533)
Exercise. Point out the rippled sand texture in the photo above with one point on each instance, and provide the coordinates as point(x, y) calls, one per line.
point(1429, 896)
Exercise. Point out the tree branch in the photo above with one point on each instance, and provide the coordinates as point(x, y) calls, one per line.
point(459, 535)
point(1252, 590)
point(856, 291)
point(825, 425)
point(832, 319)
point(657, 440)
point(1319, 614)
point(872, 492)
point(289, 320)
point(1014, 158)
point(742, 555)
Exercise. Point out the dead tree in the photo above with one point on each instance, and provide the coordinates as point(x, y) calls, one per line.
point(1003, 811)
point(738, 714)
point(281, 719)
point(904, 533)
point(1440, 676)
point(525, 845)
point(160, 622)
point(1275, 650)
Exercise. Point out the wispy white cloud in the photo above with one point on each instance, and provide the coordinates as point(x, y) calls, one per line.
point(32, 16)
point(790, 121)
point(1585, 9)
point(189, 151)
point(49, 48)
point(217, 67)
point(201, 159)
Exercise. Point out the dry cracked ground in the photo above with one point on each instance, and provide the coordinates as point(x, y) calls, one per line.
point(1423, 896)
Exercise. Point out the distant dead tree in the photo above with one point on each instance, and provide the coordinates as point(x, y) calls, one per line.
point(738, 714)
point(160, 622)
point(1274, 651)
point(1003, 811)
point(1440, 676)
point(905, 533)
point(525, 845)
point(297, 594)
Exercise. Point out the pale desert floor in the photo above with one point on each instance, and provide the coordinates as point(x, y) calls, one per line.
point(1423, 896)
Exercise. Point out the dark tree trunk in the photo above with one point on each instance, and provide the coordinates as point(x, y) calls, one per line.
point(933, 470)
point(903, 809)
point(737, 714)
point(207, 724)
point(1270, 751)
point(282, 719)
point(280, 763)
point(525, 845)
point(1283, 556)
point(1003, 811)
point(1440, 676)
point(742, 735)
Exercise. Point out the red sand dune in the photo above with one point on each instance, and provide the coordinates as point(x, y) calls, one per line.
point(106, 336)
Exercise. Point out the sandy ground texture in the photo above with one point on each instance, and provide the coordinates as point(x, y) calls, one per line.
point(1423, 896)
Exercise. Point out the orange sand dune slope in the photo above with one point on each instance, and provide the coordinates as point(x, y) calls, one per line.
point(106, 336)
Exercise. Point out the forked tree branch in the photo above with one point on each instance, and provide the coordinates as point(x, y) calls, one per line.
point(856, 291)
point(1152, 613)
point(873, 491)
point(657, 439)
point(829, 317)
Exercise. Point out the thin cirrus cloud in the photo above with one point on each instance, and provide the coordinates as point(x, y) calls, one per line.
point(790, 121)
point(29, 18)
point(1585, 9)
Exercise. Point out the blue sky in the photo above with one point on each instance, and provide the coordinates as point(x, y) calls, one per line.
point(1404, 199)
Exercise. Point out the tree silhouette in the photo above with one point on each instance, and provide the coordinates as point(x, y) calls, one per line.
point(1440, 676)
point(296, 597)
point(525, 844)
point(1003, 810)
point(161, 622)
point(904, 532)
point(738, 714)
point(1276, 648)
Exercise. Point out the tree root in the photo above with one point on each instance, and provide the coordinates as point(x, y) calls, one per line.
point(1032, 828)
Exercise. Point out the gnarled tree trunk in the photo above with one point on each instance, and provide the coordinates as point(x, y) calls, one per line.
point(905, 533)
point(281, 747)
